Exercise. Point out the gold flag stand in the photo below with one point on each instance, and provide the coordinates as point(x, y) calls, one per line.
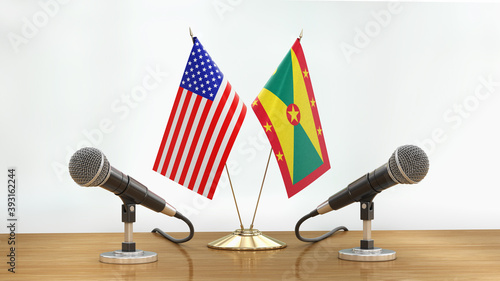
point(247, 239)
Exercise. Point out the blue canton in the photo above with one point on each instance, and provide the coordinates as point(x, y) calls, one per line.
point(201, 76)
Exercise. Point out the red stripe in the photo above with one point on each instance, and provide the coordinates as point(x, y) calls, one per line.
point(227, 151)
point(175, 136)
point(187, 131)
point(210, 132)
point(196, 138)
point(218, 141)
point(167, 130)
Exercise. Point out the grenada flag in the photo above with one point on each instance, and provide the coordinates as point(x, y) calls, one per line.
point(288, 113)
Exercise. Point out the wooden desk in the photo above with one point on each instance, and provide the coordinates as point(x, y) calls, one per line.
point(421, 255)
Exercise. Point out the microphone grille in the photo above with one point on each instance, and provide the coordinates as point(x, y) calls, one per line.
point(409, 164)
point(89, 167)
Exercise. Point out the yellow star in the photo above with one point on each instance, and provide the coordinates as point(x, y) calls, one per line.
point(305, 73)
point(293, 114)
point(313, 103)
point(255, 102)
point(268, 127)
point(319, 131)
point(280, 156)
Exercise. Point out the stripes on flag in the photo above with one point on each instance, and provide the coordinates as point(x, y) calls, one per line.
point(200, 133)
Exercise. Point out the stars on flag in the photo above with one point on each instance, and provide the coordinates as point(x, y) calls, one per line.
point(293, 115)
point(305, 73)
point(202, 75)
point(319, 131)
point(280, 156)
point(268, 127)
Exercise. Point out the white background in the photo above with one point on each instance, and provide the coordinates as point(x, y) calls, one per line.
point(411, 78)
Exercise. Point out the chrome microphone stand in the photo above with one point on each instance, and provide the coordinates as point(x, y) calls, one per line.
point(367, 251)
point(128, 254)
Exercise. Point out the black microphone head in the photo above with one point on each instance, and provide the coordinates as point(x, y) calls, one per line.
point(89, 167)
point(408, 164)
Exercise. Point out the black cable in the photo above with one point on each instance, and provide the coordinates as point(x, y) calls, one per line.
point(319, 238)
point(175, 240)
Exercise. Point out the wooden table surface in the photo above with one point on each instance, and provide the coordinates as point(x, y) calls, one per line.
point(421, 255)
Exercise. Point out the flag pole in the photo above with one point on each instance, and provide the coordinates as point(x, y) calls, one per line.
point(261, 186)
point(301, 34)
point(234, 197)
point(247, 239)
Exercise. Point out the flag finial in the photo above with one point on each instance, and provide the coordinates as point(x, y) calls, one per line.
point(191, 33)
point(301, 34)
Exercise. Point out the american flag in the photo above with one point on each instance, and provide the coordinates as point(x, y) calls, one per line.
point(205, 119)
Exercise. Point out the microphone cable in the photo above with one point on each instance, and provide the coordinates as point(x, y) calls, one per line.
point(175, 240)
point(319, 238)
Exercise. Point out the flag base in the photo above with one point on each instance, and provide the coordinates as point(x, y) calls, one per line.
point(135, 257)
point(246, 240)
point(375, 254)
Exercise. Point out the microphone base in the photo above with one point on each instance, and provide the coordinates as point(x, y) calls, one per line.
point(375, 254)
point(135, 257)
point(246, 240)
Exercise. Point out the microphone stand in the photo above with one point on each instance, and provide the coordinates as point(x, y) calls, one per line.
point(367, 251)
point(128, 254)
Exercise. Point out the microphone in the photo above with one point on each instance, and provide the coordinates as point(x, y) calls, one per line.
point(90, 167)
point(407, 165)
